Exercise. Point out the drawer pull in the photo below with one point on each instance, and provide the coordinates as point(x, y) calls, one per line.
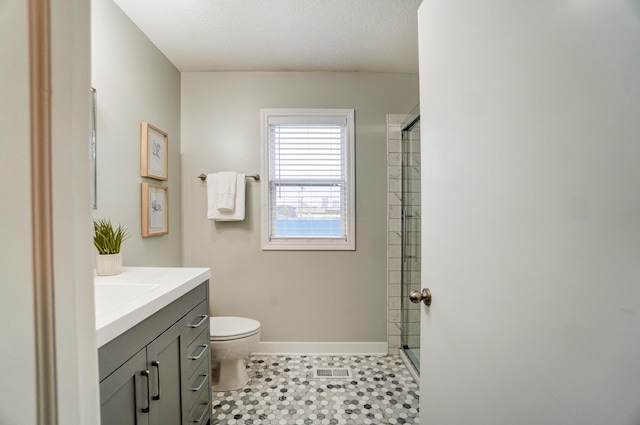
point(203, 317)
point(202, 351)
point(205, 378)
point(201, 418)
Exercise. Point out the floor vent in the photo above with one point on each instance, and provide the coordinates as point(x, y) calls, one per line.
point(332, 372)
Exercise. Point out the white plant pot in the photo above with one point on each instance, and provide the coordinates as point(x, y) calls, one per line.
point(108, 265)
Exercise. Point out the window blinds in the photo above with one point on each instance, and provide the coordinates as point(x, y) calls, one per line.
point(308, 177)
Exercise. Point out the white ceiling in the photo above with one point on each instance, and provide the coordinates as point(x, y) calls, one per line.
point(282, 35)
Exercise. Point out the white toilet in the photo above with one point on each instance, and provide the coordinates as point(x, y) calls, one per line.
point(231, 340)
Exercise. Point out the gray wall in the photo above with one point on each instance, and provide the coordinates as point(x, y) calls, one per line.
point(297, 296)
point(135, 82)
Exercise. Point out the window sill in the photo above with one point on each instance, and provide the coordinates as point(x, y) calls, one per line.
point(308, 245)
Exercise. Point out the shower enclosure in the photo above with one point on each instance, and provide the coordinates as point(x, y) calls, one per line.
point(411, 236)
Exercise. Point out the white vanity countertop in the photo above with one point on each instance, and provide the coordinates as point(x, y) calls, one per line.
point(126, 299)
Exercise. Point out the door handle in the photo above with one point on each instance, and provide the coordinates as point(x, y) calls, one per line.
point(424, 296)
point(156, 364)
point(146, 374)
point(403, 236)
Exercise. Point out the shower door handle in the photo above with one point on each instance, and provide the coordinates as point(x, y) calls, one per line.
point(403, 236)
point(424, 296)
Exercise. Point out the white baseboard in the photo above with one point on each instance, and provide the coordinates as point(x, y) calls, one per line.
point(322, 348)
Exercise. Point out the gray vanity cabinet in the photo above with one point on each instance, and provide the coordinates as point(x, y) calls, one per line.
point(121, 394)
point(164, 357)
point(157, 373)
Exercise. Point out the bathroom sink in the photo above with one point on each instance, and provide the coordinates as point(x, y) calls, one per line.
point(112, 295)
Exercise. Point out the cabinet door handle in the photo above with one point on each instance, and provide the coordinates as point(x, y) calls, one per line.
point(203, 317)
point(156, 364)
point(204, 412)
point(205, 377)
point(202, 351)
point(146, 374)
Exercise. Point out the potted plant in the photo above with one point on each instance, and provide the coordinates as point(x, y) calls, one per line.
point(108, 241)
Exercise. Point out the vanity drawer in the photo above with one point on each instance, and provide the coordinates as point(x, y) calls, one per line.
point(201, 411)
point(196, 321)
point(197, 352)
point(199, 384)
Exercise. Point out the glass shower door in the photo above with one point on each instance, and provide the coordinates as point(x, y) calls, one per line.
point(411, 236)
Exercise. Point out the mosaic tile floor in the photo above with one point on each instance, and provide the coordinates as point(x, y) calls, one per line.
point(282, 391)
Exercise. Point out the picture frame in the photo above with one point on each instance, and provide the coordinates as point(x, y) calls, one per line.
point(93, 147)
point(154, 152)
point(155, 210)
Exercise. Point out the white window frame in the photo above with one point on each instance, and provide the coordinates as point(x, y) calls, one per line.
point(309, 243)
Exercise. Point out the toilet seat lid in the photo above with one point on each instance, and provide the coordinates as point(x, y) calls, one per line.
point(232, 327)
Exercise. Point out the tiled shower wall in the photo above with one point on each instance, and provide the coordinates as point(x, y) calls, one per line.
point(394, 227)
point(394, 240)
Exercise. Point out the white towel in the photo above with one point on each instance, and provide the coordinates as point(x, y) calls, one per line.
point(213, 212)
point(227, 182)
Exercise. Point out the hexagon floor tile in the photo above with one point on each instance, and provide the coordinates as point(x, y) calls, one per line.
point(282, 391)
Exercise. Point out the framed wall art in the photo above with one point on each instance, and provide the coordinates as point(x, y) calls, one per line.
point(154, 152)
point(155, 210)
point(93, 148)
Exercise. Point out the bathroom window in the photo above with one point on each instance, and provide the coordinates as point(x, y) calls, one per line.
point(308, 164)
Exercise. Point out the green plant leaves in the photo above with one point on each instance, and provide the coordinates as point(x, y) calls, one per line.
point(106, 239)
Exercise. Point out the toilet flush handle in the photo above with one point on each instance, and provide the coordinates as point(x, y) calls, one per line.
point(424, 296)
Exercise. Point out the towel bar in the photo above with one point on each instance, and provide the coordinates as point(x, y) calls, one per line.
point(255, 177)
